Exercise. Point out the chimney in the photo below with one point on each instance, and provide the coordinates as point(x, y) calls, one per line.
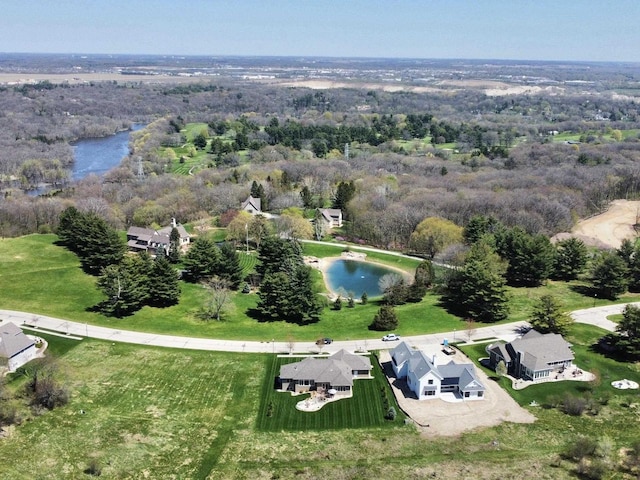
point(173, 223)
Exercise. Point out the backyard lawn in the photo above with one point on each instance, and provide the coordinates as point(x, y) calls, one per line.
point(365, 409)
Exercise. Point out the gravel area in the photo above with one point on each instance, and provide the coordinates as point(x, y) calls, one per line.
point(440, 418)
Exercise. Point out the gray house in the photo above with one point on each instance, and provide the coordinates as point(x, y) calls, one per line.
point(534, 356)
point(335, 372)
point(16, 348)
point(151, 241)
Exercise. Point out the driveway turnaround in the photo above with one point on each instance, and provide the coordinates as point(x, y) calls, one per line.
point(507, 332)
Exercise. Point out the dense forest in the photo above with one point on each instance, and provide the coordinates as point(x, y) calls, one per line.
point(451, 153)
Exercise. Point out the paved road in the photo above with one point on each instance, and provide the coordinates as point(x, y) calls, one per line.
point(507, 332)
point(598, 315)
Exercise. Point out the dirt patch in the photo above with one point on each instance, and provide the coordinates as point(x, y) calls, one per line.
point(439, 418)
point(608, 229)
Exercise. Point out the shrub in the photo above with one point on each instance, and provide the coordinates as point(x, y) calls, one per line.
point(385, 319)
point(391, 414)
point(337, 304)
point(580, 448)
point(574, 406)
point(93, 468)
point(364, 298)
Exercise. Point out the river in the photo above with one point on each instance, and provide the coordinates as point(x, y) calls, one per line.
point(99, 155)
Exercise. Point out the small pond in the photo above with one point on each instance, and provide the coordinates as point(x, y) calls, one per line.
point(345, 276)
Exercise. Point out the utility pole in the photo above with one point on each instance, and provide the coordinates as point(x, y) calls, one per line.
point(246, 236)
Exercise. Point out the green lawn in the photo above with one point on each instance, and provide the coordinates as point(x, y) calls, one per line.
point(38, 276)
point(365, 409)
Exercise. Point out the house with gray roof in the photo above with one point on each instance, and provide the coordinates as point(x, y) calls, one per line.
point(252, 205)
point(337, 372)
point(331, 217)
point(152, 241)
point(533, 356)
point(427, 380)
point(16, 348)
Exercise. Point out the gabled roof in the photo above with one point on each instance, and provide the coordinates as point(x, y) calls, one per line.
point(462, 374)
point(330, 214)
point(256, 203)
point(421, 365)
point(334, 372)
point(500, 348)
point(13, 340)
point(401, 353)
point(140, 232)
point(539, 350)
point(355, 362)
point(167, 231)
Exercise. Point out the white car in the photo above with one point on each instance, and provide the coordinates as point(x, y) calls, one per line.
point(390, 337)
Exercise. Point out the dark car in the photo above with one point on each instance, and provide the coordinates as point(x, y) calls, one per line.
point(326, 341)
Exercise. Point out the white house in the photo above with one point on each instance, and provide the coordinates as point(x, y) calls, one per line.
point(16, 348)
point(252, 205)
point(428, 380)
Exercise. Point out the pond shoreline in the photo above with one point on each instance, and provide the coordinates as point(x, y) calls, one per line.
point(323, 264)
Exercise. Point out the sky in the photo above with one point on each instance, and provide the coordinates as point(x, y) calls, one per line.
point(565, 30)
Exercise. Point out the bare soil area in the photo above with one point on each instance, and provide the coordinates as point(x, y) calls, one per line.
point(608, 229)
point(439, 418)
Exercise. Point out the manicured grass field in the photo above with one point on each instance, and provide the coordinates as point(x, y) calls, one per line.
point(365, 409)
point(40, 277)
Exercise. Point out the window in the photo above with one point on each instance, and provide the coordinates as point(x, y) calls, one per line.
point(480, 394)
point(430, 382)
point(466, 394)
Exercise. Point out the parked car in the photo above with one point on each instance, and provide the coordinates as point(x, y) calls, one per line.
point(327, 340)
point(448, 350)
point(390, 337)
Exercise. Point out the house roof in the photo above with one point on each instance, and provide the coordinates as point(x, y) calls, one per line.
point(539, 350)
point(355, 362)
point(401, 353)
point(256, 203)
point(13, 340)
point(462, 374)
point(331, 213)
point(167, 231)
point(500, 349)
point(421, 365)
point(334, 372)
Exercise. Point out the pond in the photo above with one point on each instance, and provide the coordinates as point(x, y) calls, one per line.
point(345, 276)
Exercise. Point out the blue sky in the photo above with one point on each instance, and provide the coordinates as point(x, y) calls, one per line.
point(486, 29)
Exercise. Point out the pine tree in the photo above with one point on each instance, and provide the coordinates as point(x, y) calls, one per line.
point(386, 319)
point(547, 316)
point(126, 292)
point(174, 245)
point(163, 285)
point(570, 259)
point(229, 267)
point(201, 261)
point(609, 275)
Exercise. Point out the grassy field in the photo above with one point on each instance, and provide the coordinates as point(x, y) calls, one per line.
point(38, 276)
point(365, 409)
point(161, 413)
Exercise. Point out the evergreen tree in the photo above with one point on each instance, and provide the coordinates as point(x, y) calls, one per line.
point(337, 304)
point(274, 254)
point(386, 319)
point(307, 197)
point(164, 288)
point(530, 257)
point(201, 261)
point(547, 316)
point(68, 228)
point(174, 245)
point(126, 292)
point(634, 270)
point(478, 227)
point(609, 275)
point(570, 259)
point(99, 244)
point(477, 290)
point(626, 338)
point(364, 298)
point(229, 267)
point(344, 193)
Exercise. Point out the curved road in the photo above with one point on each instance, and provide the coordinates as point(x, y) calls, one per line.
point(594, 316)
